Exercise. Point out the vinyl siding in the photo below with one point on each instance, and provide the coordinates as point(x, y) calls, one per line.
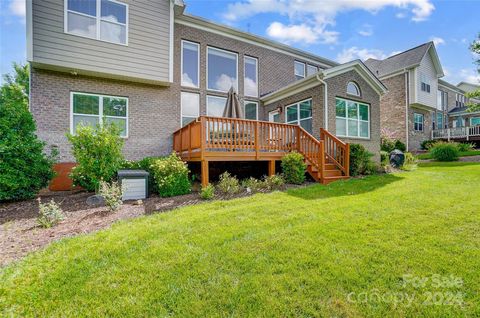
point(145, 58)
point(427, 68)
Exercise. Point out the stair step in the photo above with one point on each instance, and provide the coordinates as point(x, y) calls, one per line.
point(333, 173)
point(328, 180)
point(330, 166)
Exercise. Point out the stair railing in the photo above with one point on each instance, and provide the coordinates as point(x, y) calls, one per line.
point(336, 151)
point(312, 150)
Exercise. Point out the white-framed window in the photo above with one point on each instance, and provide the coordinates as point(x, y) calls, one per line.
point(442, 100)
point(352, 119)
point(353, 89)
point(94, 109)
point(250, 81)
point(190, 104)
point(474, 121)
point(460, 100)
point(311, 69)
point(274, 116)
point(215, 105)
point(299, 70)
point(440, 123)
point(418, 121)
point(105, 20)
point(424, 83)
point(190, 64)
point(222, 70)
point(301, 114)
point(251, 110)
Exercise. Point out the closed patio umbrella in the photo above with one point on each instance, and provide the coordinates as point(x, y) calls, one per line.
point(233, 109)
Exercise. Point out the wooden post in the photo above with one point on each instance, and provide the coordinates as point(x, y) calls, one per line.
point(347, 161)
point(271, 168)
point(467, 132)
point(297, 138)
point(204, 169)
point(203, 139)
point(257, 139)
point(448, 134)
point(322, 160)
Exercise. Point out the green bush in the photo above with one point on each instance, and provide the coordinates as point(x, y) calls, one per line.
point(253, 184)
point(24, 167)
point(427, 144)
point(49, 214)
point(444, 151)
point(360, 161)
point(207, 192)
point(171, 176)
point(293, 168)
point(144, 164)
point(384, 158)
point(465, 146)
point(98, 153)
point(112, 194)
point(410, 162)
point(400, 146)
point(387, 144)
point(274, 182)
point(228, 184)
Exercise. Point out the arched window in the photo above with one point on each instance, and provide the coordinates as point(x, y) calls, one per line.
point(352, 89)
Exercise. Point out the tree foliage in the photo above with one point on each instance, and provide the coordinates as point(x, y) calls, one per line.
point(475, 48)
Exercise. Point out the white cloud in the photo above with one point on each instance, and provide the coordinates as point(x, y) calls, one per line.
point(18, 8)
point(315, 18)
point(437, 40)
point(251, 87)
point(401, 15)
point(469, 76)
point(366, 30)
point(225, 82)
point(354, 53)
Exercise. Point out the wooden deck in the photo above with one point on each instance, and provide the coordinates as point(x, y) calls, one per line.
point(229, 139)
point(458, 134)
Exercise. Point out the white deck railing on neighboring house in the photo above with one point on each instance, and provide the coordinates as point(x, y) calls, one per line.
point(456, 133)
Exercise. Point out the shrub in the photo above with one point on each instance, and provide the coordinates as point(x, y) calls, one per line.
point(384, 158)
point(207, 192)
point(144, 164)
point(400, 146)
point(465, 146)
point(112, 194)
point(387, 144)
point(98, 153)
point(427, 144)
point(171, 176)
point(274, 182)
point(49, 214)
point(24, 167)
point(293, 167)
point(444, 151)
point(228, 184)
point(360, 161)
point(253, 184)
point(410, 162)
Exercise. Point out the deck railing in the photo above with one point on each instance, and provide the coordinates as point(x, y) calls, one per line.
point(456, 133)
point(336, 150)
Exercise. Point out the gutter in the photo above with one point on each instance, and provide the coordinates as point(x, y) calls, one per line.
point(407, 100)
point(325, 102)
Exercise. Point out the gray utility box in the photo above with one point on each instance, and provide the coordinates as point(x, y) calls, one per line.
point(134, 184)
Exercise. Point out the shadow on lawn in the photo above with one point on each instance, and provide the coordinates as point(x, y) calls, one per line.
point(349, 187)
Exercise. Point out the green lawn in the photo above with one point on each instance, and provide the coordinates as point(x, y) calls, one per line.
point(316, 251)
point(425, 156)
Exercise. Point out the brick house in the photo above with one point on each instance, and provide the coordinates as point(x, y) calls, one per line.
point(154, 70)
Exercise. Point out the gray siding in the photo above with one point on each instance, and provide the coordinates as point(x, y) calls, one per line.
point(146, 57)
point(428, 69)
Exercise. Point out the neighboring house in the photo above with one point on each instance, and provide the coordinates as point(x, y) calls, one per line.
point(152, 69)
point(410, 107)
point(460, 116)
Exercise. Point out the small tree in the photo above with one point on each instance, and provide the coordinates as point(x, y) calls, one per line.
point(98, 153)
point(24, 167)
point(475, 48)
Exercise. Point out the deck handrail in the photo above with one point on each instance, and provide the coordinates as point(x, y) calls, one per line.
point(337, 151)
point(456, 132)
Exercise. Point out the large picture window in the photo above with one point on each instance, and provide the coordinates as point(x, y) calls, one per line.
point(190, 107)
point(418, 121)
point(105, 20)
point(216, 105)
point(222, 70)
point(352, 119)
point(190, 64)
point(92, 109)
point(250, 81)
point(440, 124)
point(251, 110)
point(300, 114)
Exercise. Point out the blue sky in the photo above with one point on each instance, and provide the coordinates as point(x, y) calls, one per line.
point(340, 30)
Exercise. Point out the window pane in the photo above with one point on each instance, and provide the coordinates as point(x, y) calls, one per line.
point(190, 64)
point(114, 107)
point(353, 128)
point(311, 70)
point(299, 70)
point(82, 25)
point(292, 114)
point(83, 6)
point(85, 104)
point(341, 125)
point(85, 121)
point(306, 124)
point(341, 109)
point(475, 121)
point(352, 110)
point(352, 89)
point(251, 82)
point(215, 106)
point(114, 12)
point(222, 70)
point(363, 112)
point(251, 111)
point(363, 129)
point(187, 120)
point(120, 123)
point(190, 104)
point(113, 32)
point(306, 109)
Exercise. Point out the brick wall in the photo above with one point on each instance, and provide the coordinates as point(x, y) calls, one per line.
point(416, 137)
point(392, 107)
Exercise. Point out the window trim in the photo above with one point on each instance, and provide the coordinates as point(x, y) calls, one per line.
point(98, 19)
point(474, 117)
point(295, 70)
point(100, 111)
point(424, 82)
point(298, 112)
point(256, 74)
point(273, 113)
point(245, 102)
point(312, 66)
point(214, 96)
point(358, 120)
point(357, 88)
point(181, 63)
point(206, 71)
point(423, 122)
point(181, 107)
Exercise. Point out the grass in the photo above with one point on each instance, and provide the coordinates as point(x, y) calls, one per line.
point(426, 156)
point(315, 251)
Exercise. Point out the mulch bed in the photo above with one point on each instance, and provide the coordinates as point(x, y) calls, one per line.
point(20, 234)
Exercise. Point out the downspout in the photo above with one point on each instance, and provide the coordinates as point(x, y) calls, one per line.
point(325, 102)
point(407, 98)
